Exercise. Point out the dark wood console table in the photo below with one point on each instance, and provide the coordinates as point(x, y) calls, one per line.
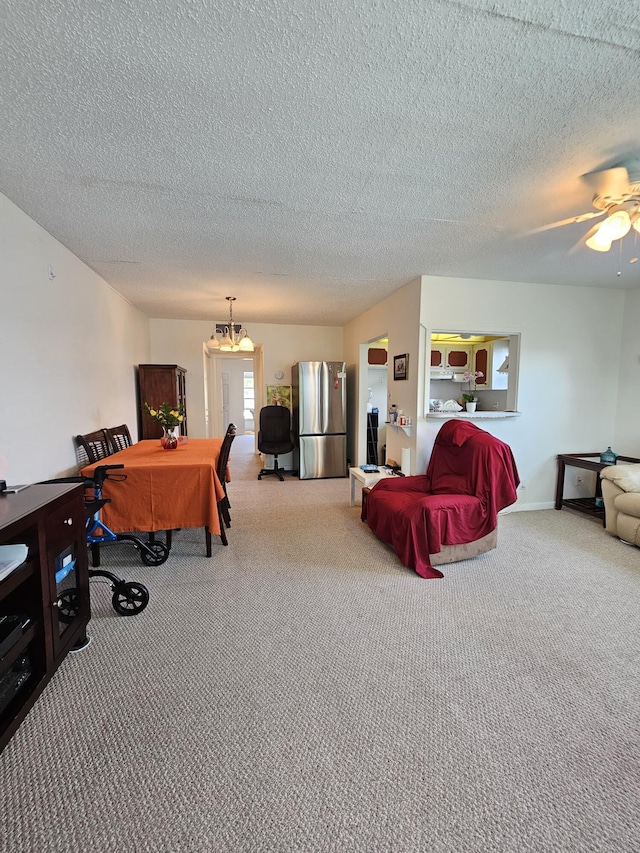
point(50, 521)
point(590, 462)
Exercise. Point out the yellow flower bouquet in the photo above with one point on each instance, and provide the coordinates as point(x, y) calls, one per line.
point(166, 415)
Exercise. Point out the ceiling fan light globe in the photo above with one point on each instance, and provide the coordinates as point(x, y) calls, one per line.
point(616, 225)
point(599, 242)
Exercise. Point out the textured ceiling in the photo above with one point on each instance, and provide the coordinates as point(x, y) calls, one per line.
point(311, 157)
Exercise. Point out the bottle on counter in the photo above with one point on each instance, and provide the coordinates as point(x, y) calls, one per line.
point(393, 413)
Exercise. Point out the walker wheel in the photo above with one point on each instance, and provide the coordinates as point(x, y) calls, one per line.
point(130, 598)
point(154, 553)
point(68, 605)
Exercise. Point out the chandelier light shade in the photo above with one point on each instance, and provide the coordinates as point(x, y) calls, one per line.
point(234, 338)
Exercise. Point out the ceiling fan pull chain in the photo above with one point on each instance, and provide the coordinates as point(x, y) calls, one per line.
point(620, 257)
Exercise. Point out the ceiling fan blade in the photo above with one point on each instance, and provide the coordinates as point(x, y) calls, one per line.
point(582, 217)
point(609, 183)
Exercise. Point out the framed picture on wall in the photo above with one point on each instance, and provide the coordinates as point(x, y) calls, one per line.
point(279, 395)
point(400, 365)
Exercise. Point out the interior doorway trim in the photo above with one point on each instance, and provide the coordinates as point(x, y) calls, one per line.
point(213, 387)
point(363, 398)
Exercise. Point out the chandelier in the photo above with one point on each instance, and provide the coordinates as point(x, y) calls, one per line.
point(235, 338)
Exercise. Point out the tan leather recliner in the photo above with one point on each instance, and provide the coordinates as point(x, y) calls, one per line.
point(621, 495)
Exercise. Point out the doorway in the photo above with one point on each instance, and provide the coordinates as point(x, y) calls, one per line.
point(233, 383)
point(373, 400)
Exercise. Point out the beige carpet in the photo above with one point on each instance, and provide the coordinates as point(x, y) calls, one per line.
point(302, 691)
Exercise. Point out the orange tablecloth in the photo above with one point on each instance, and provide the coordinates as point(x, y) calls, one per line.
point(164, 489)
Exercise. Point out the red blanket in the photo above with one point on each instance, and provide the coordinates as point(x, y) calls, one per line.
point(471, 476)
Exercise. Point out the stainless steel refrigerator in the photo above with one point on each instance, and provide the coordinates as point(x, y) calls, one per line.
point(319, 400)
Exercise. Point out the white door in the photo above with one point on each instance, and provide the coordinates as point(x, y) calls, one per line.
point(225, 396)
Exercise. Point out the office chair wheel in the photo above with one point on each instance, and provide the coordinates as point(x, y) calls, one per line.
point(154, 553)
point(130, 598)
point(68, 605)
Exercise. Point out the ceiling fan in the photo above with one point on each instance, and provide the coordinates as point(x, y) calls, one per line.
point(616, 196)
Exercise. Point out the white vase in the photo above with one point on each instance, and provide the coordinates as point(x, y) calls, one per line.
point(471, 407)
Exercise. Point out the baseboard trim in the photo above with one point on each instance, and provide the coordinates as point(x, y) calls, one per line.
point(522, 507)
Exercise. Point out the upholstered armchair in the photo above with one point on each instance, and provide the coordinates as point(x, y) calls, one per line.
point(451, 512)
point(621, 495)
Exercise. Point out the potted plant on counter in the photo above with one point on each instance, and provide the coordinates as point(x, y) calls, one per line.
point(469, 397)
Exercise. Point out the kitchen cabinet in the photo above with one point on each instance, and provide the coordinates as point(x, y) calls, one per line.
point(487, 358)
point(44, 602)
point(449, 359)
point(160, 383)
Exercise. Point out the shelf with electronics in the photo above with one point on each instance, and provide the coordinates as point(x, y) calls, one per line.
point(44, 592)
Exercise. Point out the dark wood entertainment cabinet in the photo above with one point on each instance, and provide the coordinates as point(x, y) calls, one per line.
point(50, 590)
point(160, 383)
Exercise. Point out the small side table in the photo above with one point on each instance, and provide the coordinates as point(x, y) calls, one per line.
point(367, 480)
point(590, 462)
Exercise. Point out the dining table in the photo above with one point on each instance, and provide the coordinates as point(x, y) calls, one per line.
point(160, 489)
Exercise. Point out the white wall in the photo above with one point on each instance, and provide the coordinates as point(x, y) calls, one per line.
point(569, 362)
point(68, 349)
point(398, 317)
point(377, 381)
point(180, 342)
point(626, 438)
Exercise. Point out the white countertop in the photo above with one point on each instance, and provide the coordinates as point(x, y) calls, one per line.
point(473, 416)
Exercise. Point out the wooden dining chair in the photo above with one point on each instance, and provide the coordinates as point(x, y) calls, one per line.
point(224, 516)
point(118, 437)
point(95, 446)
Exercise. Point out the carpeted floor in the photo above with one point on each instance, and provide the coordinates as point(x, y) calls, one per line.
point(302, 691)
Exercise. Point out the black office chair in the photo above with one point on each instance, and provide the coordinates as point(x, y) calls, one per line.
point(275, 437)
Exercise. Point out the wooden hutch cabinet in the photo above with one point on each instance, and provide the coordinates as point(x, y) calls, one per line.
point(160, 383)
point(44, 602)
